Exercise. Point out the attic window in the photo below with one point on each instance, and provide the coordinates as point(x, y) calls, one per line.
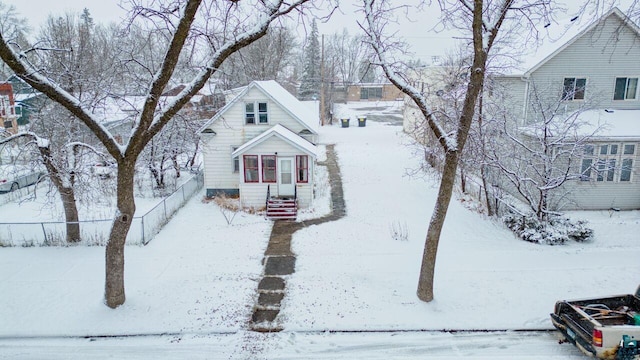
point(262, 113)
point(208, 132)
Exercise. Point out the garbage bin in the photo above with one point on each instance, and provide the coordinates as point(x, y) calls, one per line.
point(344, 122)
point(362, 121)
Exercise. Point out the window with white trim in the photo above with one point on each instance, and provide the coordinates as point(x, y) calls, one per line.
point(610, 162)
point(625, 88)
point(256, 113)
point(573, 88)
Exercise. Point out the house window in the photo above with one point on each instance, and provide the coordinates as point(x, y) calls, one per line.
point(629, 149)
point(251, 168)
point(263, 116)
point(269, 168)
point(585, 171)
point(302, 168)
point(370, 93)
point(236, 160)
point(625, 171)
point(573, 88)
point(625, 89)
point(262, 113)
point(606, 168)
point(249, 113)
point(607, 162)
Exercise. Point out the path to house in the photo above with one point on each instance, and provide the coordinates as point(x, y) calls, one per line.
point(279, 261)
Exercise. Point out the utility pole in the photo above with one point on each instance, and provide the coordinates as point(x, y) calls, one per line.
point(322, 112)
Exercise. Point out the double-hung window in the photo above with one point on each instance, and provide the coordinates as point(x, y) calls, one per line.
point(256, 113)
point(251, 168)
point(573, 88)
point(626, 88)
point(302, 168)
point(268, 168)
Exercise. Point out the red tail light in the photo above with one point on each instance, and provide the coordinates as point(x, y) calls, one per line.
point(597, 338)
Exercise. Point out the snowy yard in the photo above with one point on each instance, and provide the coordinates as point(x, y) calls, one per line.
point(196, 281)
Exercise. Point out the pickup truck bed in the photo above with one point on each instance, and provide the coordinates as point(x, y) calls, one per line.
point(597, 326)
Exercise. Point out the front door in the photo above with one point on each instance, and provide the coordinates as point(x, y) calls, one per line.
point(286, 183)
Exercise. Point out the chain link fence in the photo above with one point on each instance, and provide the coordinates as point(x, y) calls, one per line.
point(96, 232)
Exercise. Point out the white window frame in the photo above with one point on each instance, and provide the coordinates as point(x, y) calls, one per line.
point(571, 95)
point(257, 114)
point(626, 88)
point(607, 166)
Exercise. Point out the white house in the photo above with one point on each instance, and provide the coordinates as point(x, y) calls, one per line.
point(591, 70)
point(261, 144)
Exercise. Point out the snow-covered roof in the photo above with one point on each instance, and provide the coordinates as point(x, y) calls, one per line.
point(298, 110)
point(282, 133)
point(611, 124)
point(561, 35)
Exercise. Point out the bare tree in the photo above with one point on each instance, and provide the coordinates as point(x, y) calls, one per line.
point(345, 53)
point(227, 27)
point(536, 160)
point(484, 20)
point(269, 58)
point(79, 67)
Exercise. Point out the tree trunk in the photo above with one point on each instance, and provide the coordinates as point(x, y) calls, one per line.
point(70, 214)
point(114, 254)
point(427, 270)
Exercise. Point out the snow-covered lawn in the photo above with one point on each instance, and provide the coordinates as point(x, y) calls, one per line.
point(199, 275)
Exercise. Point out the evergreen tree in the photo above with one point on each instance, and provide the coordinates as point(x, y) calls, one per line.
point(310, 83)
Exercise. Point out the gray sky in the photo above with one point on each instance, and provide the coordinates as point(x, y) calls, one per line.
point(424, 44)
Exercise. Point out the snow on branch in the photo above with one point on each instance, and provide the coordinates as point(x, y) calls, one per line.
point(18, 62)
point(376, 19)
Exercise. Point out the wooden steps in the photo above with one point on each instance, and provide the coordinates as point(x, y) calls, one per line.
point(282, 209)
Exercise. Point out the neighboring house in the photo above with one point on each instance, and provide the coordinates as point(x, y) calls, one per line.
point(589, 69)
point(373, 92)
point(592, 70)
point(8, 108)
point(262, 142)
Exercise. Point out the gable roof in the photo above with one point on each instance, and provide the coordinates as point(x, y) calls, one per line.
point(569, 34)
point(280, 132)
point(298, 111)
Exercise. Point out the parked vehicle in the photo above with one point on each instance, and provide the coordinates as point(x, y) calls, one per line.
point(104, 169)
point(607, 328)
point(14, 177)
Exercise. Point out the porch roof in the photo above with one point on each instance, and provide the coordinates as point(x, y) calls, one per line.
point(283, 133)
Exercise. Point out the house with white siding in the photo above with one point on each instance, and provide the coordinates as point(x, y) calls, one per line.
point(591, 71)
point(261, 147)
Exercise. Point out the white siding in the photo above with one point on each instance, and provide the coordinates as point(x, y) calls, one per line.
point(254, 194)
point(608, 51)
point(231, 131)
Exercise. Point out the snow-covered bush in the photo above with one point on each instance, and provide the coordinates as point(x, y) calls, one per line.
point(556, 231)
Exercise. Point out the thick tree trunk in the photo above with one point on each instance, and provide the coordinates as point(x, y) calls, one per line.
point(114, 295)
point(70, 214)
point(427, 270)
